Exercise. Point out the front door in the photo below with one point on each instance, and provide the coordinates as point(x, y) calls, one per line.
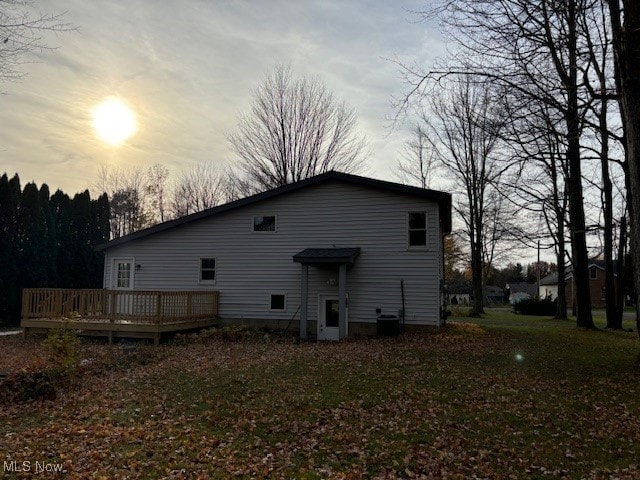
point(329, 318)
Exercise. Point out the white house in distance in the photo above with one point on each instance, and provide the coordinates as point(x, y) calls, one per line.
point(328, 253)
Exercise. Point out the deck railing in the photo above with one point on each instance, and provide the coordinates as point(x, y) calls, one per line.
point(134, 306)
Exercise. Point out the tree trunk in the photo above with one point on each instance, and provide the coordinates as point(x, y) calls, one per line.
point(561, 306)
point(625, 29)
point(620, 267)
point(476, 280)
point(582, 295)
point(607, 208)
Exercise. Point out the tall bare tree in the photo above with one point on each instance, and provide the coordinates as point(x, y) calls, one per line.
point(417, 165)
point(156, 192)
point(537, 187)
point(295, 129)
point(464, 132)
point(21, 32)
point(127, 192)
point(599, 80)
point(199, 187)
point(625, 29)
point(534, 49)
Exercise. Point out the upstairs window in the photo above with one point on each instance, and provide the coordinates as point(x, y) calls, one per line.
point(594, 273)
point(264, 223)
point(207, 270)
point(417, 229)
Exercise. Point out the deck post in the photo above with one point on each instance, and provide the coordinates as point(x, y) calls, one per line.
point(158, 307)
point(342, 301)
point(112, 311)
point(304, 297)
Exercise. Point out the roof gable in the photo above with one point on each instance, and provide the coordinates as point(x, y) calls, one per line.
point(443, 200)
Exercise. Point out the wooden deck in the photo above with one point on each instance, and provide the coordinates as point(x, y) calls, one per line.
point(118, 313)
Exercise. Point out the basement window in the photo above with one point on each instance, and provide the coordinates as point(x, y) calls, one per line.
point(278, 302)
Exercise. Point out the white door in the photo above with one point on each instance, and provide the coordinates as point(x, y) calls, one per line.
point(329, 318)
point(121, 282)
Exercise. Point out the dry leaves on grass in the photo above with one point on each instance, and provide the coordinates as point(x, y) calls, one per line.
point(445, 405)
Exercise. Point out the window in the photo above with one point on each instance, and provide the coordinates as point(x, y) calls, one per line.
point(266, 223)
point(123, 274)
point(278, 302)
point(593, 273)
point(603, 296)
point(207, 270)
point(417, 229)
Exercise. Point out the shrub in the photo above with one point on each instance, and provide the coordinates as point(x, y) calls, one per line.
point(535, 306)
point(62, 349)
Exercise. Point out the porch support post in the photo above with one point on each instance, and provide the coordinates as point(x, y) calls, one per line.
point(304, 296)
point(342, 293)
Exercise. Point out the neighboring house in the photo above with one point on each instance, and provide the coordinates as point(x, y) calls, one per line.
point(329, 253)
point(549, 285)
point(494, 295)
point(521, 291)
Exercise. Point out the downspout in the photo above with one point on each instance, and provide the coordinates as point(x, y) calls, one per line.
point(443, 284)
point(403, 312)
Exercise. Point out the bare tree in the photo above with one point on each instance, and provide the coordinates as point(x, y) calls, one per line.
point(536, 141)
point(417, 165)
point(198, 188)
point(295, 129)
point(533, 49)
point(21, 32)
point(126, 189)
point(599, 80)
point(625, 30)
point(156, 191)
point(464, 132)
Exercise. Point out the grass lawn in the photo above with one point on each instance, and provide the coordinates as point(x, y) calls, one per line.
point(506, 397)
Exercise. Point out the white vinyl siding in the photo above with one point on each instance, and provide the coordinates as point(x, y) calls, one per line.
point(249, 267)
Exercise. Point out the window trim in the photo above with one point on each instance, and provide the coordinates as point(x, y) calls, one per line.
point(271, 295)
point(426, 231)
point(253, 224)
point(202, 281)
point(114, 272)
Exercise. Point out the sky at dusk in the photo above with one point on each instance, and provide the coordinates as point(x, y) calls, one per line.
point(187, 69)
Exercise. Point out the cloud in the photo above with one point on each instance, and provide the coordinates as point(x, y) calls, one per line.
point(188, 69)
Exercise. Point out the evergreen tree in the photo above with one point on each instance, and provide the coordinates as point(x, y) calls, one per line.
point(31, 239)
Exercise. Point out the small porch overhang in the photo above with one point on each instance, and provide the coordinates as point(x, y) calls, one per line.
point(327, 256)
point(321, 257)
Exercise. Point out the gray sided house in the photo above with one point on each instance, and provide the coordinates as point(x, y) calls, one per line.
point(328, 254)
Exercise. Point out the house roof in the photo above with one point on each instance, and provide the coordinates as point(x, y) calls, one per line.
point(552, 279)
point(327, 256)
point(523, 287)
point(442, 198)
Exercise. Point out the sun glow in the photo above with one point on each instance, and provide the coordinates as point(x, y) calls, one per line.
point(114, 121)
